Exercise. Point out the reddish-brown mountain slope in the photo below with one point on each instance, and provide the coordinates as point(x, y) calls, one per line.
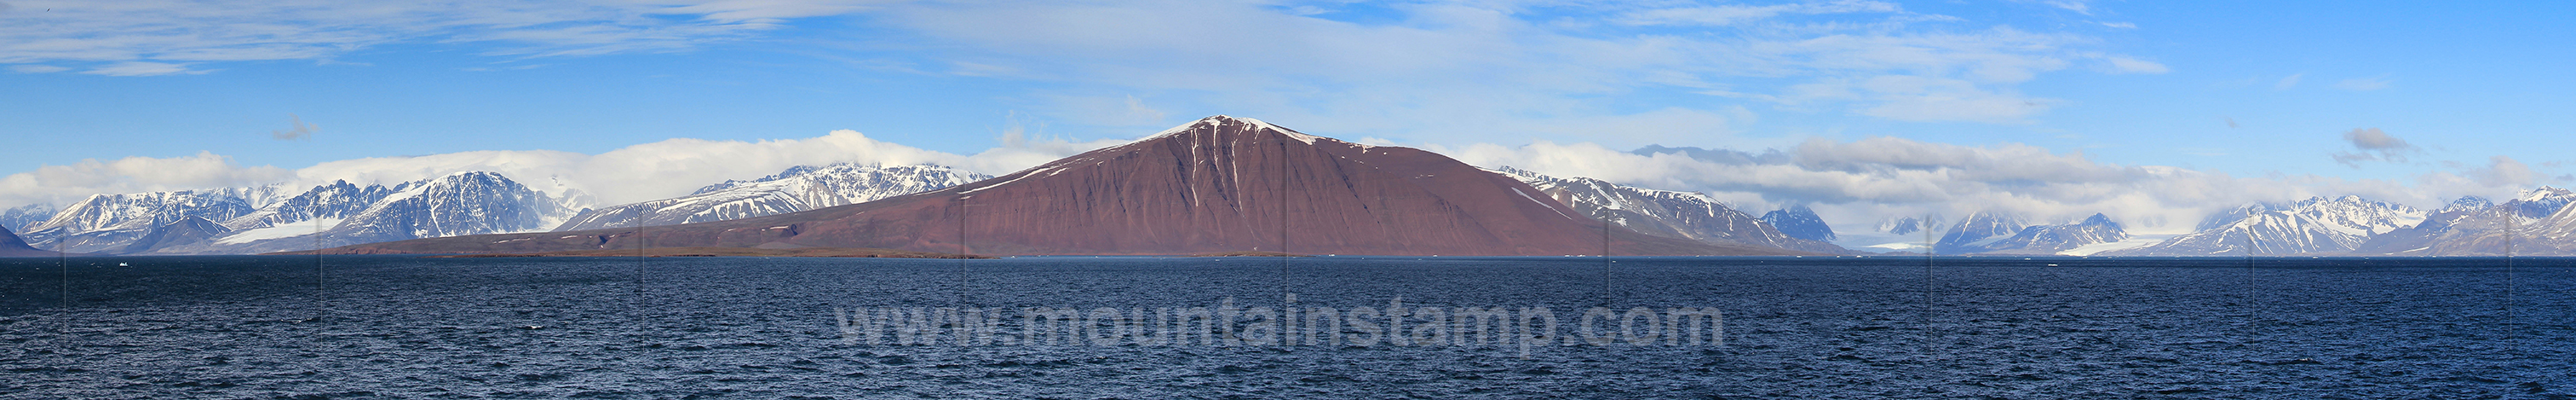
point(1217, 184)
point(12, 246)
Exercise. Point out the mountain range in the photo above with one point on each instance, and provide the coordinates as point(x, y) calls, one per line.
point(257, 219)
point(797, 189)
point(2314, 226)
point(2058, 239)
point(1218, 184)
point(260, 219)
point(2535, 223)
point(1681, 215)
point(112, 222)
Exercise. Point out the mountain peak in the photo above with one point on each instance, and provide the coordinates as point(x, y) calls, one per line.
point(2313, 200)
point(1216, 123)
point(799, 188)
point(475, 175)
point(1799, 222)
point(2467, 203)
point(2544, 192)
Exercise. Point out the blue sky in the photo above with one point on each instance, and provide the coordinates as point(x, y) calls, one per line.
point(2421, 101)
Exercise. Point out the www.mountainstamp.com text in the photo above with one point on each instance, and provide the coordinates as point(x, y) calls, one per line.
point(1226, 325)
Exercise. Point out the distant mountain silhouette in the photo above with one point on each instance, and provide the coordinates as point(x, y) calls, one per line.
point(12, 246)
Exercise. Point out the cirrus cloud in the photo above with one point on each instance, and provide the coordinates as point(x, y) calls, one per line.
point(164, 37)
point(1453, 71)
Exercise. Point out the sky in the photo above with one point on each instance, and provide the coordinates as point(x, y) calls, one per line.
point(2155, 113)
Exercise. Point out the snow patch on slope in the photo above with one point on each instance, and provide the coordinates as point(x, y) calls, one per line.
point(2134, 241)
point(286, 230)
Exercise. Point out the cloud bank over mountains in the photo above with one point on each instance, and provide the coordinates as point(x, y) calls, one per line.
point(1854, 183)
point(1850, 183)
point(1582, 84)
point(646, 171)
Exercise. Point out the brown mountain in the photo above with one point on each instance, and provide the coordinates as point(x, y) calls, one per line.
point(1217, 184)
point(13, 246)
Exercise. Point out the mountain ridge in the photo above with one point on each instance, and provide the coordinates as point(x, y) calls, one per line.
point(2317, 225)
point(1216, 184)
point(799, 188)
point(13, 246)
point(1673, 214)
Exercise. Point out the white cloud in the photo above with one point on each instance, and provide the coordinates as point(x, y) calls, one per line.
point(1732, 14)
point(2505, 171)
point(1120, 111)
point(1916, 98)
point(2501, 177)
point(139, 68)
point(156, 37)
point(36, 69)
point(2126, 65)
point(768, 11)
point(296, 129)
point(640, 172)
point(674, 167)
point(2374, 145)
point(2289, 82)
point(2375, 139)
point(2363, 84)
point(2078, 6)
point(61, 184)
point(1459, 71)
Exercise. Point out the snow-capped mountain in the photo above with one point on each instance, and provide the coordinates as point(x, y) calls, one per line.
point(2223, 218)
point(2057, 239)
point(797, 189)
point(2315, 225)
point(110, 222)
point(1905, 225)
point(1682, 215)
point(2538, 203)
point(257, 219)
point(1799, 222)
point(467, 203)
point(2552, 235)
point(1978, 230)
point(2535, 222)
point(22, 218)
point(187, 230)
point(338, 200)
point(2466, 203)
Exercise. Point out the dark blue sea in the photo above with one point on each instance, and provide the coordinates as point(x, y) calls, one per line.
point(401, 327)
